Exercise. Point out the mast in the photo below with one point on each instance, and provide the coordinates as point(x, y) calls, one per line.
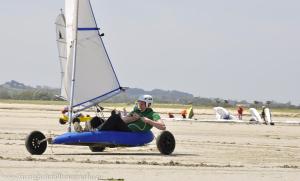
point(74, 44)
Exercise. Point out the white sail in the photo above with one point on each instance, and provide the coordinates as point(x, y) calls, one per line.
point(255, 115)
point(222, 113)
point(94, 76)
point(62, 49)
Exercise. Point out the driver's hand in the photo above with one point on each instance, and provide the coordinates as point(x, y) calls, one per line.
point(136, 116)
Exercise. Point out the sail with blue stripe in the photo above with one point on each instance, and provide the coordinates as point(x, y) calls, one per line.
point(89, 77)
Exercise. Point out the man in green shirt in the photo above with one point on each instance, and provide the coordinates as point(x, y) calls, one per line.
point(142, 118)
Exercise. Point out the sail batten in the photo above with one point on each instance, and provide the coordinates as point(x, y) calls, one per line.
point(88, 29)
point(94, 78)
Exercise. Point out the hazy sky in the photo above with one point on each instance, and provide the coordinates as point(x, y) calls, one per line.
point(233, 49)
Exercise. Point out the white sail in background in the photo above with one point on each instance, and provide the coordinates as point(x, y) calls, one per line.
point(94, 76)
point(255, 115)
point(62, 48)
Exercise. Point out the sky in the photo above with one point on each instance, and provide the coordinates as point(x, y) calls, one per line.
point(233, 49)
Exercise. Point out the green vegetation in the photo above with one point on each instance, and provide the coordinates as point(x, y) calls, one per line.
point(38, 102)
point(157, 105)
point(15, 92)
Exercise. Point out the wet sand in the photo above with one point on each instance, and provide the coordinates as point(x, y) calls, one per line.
point(204, 151)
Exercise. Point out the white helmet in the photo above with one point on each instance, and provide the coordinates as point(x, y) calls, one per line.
point(147, 99)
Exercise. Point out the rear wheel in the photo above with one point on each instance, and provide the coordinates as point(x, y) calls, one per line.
point(165, 143)
point(34, 143)
point(97, 148)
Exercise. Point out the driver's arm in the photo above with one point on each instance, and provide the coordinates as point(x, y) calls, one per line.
point(159, 124)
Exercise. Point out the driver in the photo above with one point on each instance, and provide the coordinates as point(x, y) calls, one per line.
point(142, 118)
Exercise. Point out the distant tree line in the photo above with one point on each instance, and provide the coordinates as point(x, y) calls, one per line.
point(176, 97)
point(32, 94)
point(19, 91)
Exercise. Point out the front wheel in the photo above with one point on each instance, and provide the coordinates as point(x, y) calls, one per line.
point(35, 143)
point(165, 143)
point(97, 148)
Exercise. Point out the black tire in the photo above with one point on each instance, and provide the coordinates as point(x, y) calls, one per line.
point(62, 121)
point(165, 143)
point(32, 143)
point(97, 148)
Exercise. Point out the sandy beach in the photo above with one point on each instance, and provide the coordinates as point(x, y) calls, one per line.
point(204, 151)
